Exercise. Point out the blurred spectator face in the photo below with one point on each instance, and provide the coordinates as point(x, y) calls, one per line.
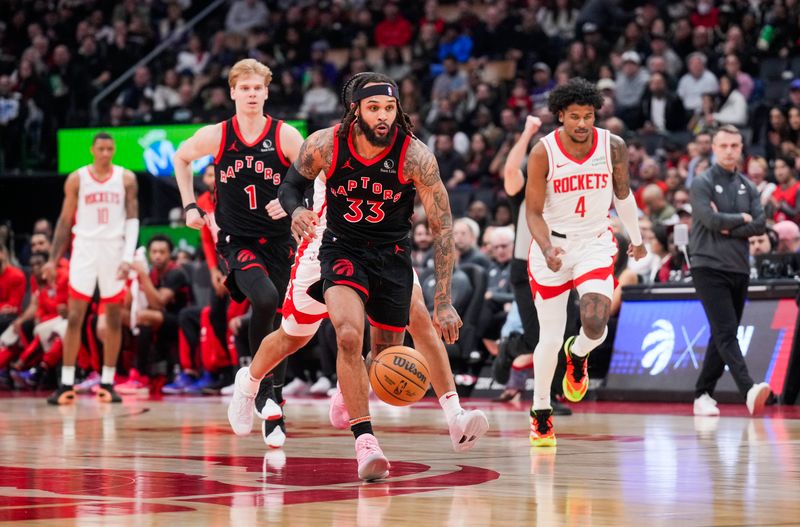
point(699, 37)
point(756, 171)
point(444, 143)
point(508, 120)
point(450, 66)
point(502, 215)
point(25, 69)
point(732, 65)
point(651, 170)
point(61, 56)
point(171, 78)
point(658, 85)
point(463, 237)
point(173, 11)
point(43, 226)
point(478, 211)
point(630, 68)
point(680, 198)
point(794, 118)
point(615, 125)
point(183, 257)
point(185, 91)
point(141, 77)
point(37, 262)
point(390, 11)
point(158, 253)
point(725, 86)
point(788, 237)
point(783, 172)
point(646, 227)
point(657, 64)
point(702, 165)
point(502, 245)
point(760, 244)
point(703, 142)
point(88, 46)
point(477, 144)
point(696, 66)
point(576, 52)
point(653, 198)
point(673, 179)
point(776, 118)
point(422, 237)
point(209, 178)
point(40, 243)
point(5, 85)
point(636, 154)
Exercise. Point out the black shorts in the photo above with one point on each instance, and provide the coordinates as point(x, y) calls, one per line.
point(275, 257)
point(382, 275)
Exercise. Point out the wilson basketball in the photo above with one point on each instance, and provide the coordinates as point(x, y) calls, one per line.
point(399, 375)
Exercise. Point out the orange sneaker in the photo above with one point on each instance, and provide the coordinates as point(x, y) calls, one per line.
point(542, 433)
point(576, 378)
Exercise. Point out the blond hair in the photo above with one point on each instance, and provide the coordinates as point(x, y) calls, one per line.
point(249, 67)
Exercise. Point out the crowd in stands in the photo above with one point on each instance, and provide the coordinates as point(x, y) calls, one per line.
point(469, 73)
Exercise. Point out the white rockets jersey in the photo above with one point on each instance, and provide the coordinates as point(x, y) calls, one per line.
point(101, 206)
point(579, 192)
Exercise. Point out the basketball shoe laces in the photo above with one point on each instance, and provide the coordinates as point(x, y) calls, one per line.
point(543, 426)
point(368, 446)
point(245, 406)
point(577, 366)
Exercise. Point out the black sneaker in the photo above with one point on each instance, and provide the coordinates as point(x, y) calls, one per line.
point(223, 378)
point(106, 394)
point(65, 394)
point(274, 432)
point(267, 406)
point(559, 408)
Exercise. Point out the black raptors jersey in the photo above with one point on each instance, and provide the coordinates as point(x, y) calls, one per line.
point(369, 199)
point(248, 176)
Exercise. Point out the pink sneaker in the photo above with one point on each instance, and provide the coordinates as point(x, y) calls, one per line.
point(90, 384)
point(136, 384)
point(338, 411)
point(372, 464)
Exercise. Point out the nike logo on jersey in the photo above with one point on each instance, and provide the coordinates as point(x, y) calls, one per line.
point(562, 165)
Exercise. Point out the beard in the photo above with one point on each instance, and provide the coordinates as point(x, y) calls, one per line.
point(373, 137)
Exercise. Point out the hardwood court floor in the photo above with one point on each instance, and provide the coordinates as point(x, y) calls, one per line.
point(175, 462)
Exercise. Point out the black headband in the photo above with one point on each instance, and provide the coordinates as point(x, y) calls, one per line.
point(386, 89)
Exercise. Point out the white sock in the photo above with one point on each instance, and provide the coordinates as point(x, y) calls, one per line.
point(552, 314)
point(583, 344)
point(450, 405)
point(67, 375)
point(250, 383)
point(108, 375)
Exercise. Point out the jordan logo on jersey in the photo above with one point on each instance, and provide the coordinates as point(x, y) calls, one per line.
point(347, 164)
point(233, 147)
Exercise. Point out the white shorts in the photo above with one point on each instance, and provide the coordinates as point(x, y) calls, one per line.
point(587, 264)
point(302, 315)
point(95, 263)
point(46, 330)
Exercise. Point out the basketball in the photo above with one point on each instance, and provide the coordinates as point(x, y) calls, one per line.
point(399, 375)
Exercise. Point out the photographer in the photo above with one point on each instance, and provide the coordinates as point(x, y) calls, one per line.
point(727, 211)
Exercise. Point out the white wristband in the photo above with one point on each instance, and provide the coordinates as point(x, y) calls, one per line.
point(628, 212)
point(131, 239)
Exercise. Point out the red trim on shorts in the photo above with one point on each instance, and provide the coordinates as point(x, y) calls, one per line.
point(387, 327)
point(260, 137)
point(77, 295)
point(570, 157)
point(551, 291)
point(402, 161)
point(221, 150)
point(371, 161)
point(116, 299)
point(278, 144)
point(250, 266)
point(354, 285)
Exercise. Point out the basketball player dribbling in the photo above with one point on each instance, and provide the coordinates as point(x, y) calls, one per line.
point(574, 173)
point(302, 316)
point(373, 166)
point(102, 199)
point(252, 153)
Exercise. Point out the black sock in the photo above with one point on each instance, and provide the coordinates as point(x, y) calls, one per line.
point(279, 394)
point(362, 427)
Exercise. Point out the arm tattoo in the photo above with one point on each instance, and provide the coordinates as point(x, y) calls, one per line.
point(316, 154)
point(421, 167)
point(619, 164)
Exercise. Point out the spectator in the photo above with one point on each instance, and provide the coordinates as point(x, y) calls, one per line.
point(451, 164)
point(733, 69)
point(788, 237)
point(455, 43)
point(12, 289)
point(661, 110)
point(393, 65)
point(492, 36)
point(704, 153)
point(732, 104)
point(660, 48)
point(465, 235)
point(172, 22)
point(319, 102)
point(244, 15)
point(696, 82)
point(558, 21)
point(194, 59)
point(543, 84)
point(130, 98)
point(757, 172)
point(783, 203)
point(656, 205)
point(394, 30)
point(631, 82)
point(498, 296)
point(422, 241)
point(11, 124)
point(166, 94)
point(451, 82)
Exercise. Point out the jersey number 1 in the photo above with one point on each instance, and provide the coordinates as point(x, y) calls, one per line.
point(581, 207)
point(251, 194)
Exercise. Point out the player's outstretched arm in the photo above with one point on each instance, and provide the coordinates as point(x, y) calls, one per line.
point(61, 233)
point(624, 202)
point(421, 167)
point(535, 192)
point(513, 180)
point(315, 156)
point(204, 142)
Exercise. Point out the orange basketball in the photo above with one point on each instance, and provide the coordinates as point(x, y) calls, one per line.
point(400, 375)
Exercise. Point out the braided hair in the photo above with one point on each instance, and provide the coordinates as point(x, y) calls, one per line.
point(355, 83)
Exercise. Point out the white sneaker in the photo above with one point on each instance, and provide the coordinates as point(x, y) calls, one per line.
point(705, 405)
point(467, 427)
point(274, 432)
point(320, 387)
point(756, 397)
point(297, 387)
point(228, 390)
point(240, 409)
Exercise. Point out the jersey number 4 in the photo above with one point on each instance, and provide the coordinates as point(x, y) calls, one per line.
point(355, 215)
point(580, 208)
